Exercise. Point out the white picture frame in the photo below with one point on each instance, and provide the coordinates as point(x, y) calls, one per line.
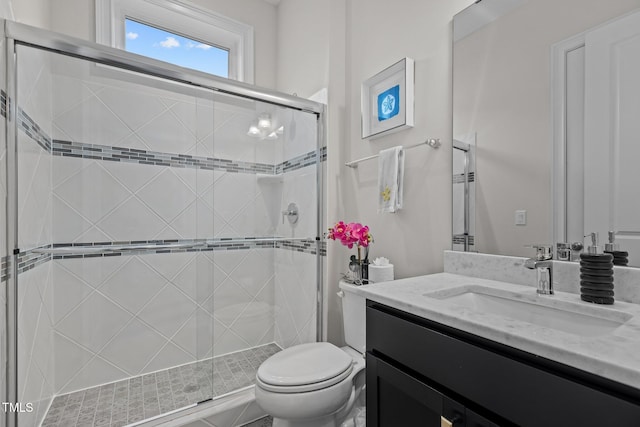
point(387, 103)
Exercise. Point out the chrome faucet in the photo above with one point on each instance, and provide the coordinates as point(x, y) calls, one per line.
point(543, 264)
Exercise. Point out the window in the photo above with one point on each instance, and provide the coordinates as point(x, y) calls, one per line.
point(153, 42)
point(178, 32)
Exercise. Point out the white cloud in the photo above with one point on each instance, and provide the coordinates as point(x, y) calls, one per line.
point(132, 35)
point(202, 46)
point(170, 42)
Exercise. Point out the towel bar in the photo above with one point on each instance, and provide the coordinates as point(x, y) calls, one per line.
point(433, 143)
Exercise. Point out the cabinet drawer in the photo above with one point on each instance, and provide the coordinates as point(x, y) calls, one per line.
point(518, 391)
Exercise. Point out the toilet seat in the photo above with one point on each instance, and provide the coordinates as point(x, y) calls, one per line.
point(304, 368)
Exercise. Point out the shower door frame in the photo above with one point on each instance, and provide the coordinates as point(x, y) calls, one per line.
point(466, 149)
point(21, 34)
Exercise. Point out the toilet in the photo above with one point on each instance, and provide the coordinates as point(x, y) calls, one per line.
point(318, 384)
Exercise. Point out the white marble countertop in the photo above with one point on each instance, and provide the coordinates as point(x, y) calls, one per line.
point(614, 354)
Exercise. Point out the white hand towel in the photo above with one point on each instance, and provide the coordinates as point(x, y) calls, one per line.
point(390, 179)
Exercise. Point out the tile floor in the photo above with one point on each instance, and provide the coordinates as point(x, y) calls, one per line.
point(145, 396)
point(262, 422)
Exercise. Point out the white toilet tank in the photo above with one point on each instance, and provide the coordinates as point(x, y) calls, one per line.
point(353, 315)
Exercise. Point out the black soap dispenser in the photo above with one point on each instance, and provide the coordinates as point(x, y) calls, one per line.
point(596, 274)
point(619, 257)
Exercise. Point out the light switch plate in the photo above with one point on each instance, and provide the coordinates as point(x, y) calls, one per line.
point(521, 217)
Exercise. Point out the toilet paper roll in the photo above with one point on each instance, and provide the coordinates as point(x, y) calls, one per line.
point(380, 273)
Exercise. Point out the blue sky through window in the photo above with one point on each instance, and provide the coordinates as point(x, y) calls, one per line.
point(159, 44)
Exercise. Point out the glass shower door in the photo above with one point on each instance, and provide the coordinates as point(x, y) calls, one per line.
point(114, 276)
point(168, 235)
point(266, 211)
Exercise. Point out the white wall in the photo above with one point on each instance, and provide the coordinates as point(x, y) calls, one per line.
point(30, 12)
point(303, 46)
point(415, 237)
point(6, 11)
point(350, 33)
point(312, 55)
point(77, 18)
point(263, 17)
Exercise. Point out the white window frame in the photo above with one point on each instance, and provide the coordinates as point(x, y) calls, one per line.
point(182, 18)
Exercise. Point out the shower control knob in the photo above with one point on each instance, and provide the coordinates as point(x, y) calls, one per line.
point(291, 213)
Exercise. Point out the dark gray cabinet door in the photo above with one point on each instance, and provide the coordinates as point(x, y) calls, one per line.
point(394, 398)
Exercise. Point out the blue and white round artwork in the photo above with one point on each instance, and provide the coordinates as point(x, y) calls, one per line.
point(389, 103)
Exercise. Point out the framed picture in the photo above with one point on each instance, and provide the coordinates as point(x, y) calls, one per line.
point(387, 100)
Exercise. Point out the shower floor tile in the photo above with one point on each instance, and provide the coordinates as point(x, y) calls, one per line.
point(145, 396)
point(262, 422)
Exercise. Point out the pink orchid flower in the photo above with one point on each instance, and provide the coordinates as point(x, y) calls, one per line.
point(350, 234)
point(337, 232)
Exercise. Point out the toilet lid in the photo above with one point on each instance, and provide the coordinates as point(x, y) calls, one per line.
point(305, 364)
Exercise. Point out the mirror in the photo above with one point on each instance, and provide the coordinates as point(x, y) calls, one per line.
point(543, 166)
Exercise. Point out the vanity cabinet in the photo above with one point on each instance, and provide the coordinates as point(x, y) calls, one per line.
point(400, 399)
point(423, 373)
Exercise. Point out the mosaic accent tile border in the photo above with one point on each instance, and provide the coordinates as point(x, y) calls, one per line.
point(30, 259)
point(132, 155)
point(3, 103)
point(306, 246)
point(458, 239)
point(4, 268)
point(323, 248)
point(459, 178)
point(301, 161)
point(199, 245)
point(138, 398)
point(33, 130)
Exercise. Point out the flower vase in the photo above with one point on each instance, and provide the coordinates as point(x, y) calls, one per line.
point(360, 267)
point(364, 265)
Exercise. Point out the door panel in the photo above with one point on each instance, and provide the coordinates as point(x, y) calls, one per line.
point(396, 399)
point(612, 129)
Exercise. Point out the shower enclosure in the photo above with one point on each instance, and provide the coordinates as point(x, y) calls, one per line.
point(149, 266)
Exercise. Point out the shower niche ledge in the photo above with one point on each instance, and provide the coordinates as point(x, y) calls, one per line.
point(264, 178)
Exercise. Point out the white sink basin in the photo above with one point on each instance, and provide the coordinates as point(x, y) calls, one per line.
point(572, 317)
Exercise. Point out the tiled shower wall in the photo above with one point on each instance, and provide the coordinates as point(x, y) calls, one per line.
point(295, 271)
point(159, 307)
point(108, 318)
point(35, 297)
